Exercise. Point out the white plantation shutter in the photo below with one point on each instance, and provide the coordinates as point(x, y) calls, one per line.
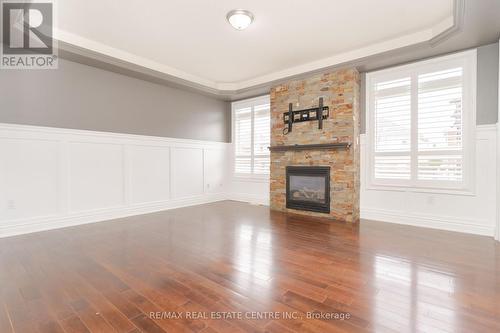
point(251, 127)
point(420, 122)
point(243, 140)
point(261, 142)
point(392, 129)
point(440, 125)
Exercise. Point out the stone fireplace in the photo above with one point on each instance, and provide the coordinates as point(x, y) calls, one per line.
point(316, 171)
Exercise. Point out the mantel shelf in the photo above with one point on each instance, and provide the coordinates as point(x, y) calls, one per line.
point(336, 145)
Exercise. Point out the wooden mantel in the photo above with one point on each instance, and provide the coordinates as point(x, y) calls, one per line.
point(336, 145)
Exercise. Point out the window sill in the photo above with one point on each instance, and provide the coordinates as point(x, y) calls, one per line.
point(396, 188)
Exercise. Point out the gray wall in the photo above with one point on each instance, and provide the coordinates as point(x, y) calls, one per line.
point(81, 97)
point(487, 87)
point(487, 84)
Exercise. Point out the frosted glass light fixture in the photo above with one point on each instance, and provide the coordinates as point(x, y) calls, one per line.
point(240, 19)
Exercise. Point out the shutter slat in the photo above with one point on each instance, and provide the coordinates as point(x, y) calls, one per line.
point(440, 125)
point(392, 125)
point(444, 167)
point(243, 148)
point(262, 121)
point(392, 167)
point(243, 139)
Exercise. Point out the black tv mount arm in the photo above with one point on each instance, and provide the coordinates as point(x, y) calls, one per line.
point(320, 113)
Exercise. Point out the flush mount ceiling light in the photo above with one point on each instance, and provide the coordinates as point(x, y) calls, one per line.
point(240, 19)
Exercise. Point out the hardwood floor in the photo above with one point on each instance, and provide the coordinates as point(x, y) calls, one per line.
point(230, 259)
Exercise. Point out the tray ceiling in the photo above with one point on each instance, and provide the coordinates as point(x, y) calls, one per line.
point(191, 39)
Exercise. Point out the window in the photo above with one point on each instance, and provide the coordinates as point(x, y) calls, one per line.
point(420, 126)
point(251, 136)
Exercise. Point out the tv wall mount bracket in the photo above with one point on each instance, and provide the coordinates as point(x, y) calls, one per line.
point(320, 113)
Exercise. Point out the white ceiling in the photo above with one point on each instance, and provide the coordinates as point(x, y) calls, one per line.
point(191, 40)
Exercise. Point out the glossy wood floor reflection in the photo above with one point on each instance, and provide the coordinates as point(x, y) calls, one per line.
point(234, 257)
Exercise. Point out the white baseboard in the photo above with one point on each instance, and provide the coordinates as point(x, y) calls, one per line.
point(26, 226)
point(432, 222)
point(31, 225)
point(55, 222)
point(250, 198)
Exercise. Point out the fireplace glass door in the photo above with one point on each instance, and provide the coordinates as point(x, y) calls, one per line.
point(308, 188)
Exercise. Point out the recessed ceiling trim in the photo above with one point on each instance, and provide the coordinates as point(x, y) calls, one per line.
point(435, 34)
point(397, 43)
point(458, 19)
point(93, 46)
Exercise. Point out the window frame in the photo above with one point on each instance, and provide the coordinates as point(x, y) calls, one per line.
point(468, 61)
point(251, 102)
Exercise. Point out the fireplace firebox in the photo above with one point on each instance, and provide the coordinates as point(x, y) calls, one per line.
point(308, 188)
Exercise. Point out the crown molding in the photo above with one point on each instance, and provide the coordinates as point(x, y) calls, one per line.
point(456, 27)
point(76, 48)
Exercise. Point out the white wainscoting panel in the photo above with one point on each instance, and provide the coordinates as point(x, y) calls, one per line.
point(215, 171)
point(187, 172)
point(30, 173)
point(52, 178)
point(96, 174)
point(254, 191)
point(469, 213)
point(149, 173)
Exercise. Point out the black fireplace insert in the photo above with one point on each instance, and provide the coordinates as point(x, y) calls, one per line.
point(308, 188)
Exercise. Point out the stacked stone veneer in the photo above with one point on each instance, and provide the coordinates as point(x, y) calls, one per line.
point(340, 91)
